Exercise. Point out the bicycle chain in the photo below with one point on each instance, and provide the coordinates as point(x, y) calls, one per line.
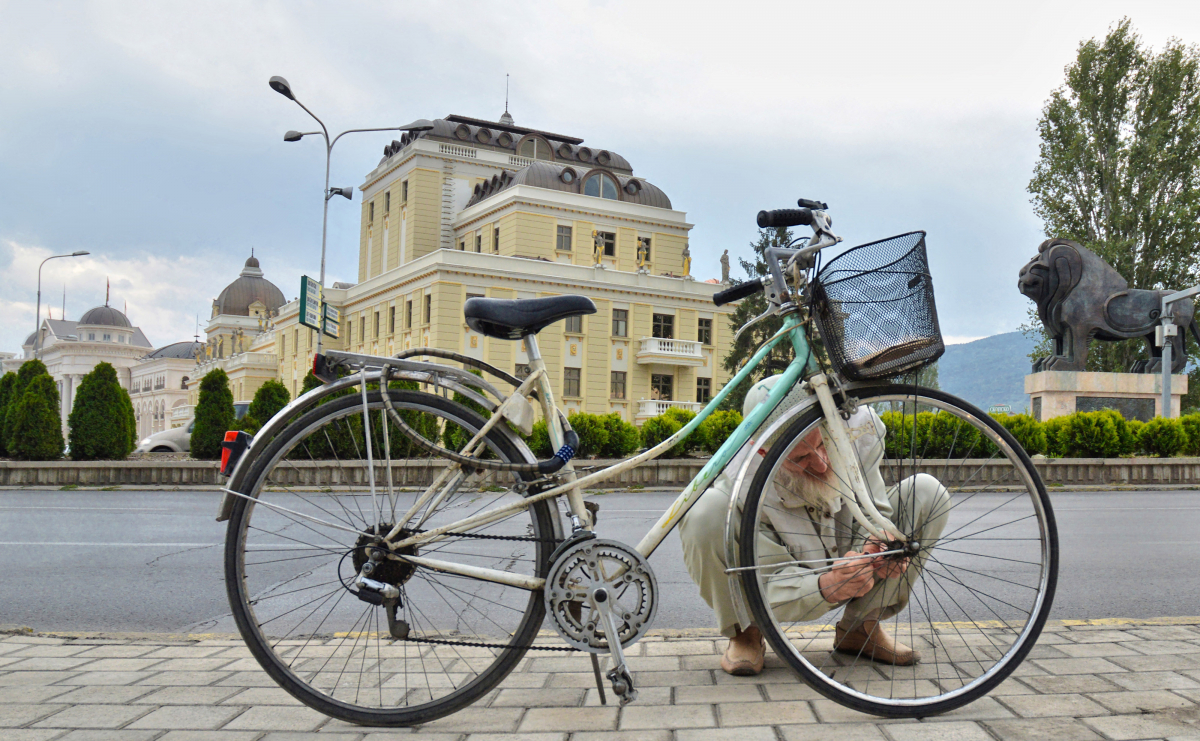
point(477, 644)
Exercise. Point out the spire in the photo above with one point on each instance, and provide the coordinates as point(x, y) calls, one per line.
point(106, 287)
point(506, 119)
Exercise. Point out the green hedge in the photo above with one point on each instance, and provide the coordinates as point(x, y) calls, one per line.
point(6, 385)
point(214, 415)
point(34, 422)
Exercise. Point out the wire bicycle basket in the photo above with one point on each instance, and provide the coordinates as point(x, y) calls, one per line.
point(874, 307)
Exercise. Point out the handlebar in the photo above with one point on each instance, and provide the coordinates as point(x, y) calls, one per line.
point(738, 292)
point(785, 217)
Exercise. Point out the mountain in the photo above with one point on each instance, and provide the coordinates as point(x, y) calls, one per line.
point(988, 371)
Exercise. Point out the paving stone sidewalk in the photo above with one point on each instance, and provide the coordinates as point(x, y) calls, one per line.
point(1114, 679)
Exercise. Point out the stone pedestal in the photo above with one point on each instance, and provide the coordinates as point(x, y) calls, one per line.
point(1134, 395)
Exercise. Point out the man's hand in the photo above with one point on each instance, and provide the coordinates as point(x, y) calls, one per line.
point(886, 567)
point(851, 578)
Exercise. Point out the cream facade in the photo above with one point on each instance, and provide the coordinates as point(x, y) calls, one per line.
point(477, 208)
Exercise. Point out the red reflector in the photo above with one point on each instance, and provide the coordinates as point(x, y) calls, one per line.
point(230, 436)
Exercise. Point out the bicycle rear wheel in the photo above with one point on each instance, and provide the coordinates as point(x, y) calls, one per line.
point(291, 555)
point(971, 601)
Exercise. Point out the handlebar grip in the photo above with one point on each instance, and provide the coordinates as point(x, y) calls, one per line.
point(738, 292)
point(785, 217)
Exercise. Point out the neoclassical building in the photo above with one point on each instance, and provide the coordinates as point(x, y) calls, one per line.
point(159, 385)
point(482, 208)
point(240, 338)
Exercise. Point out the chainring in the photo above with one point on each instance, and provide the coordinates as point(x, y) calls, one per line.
point(590, 564)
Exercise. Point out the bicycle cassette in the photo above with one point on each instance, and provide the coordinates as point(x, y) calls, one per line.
point(592, 564)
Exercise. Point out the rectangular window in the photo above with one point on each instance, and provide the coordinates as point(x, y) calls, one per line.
point(107, 337)
point(474, 295)
point(377, 325)
point(496, 240)
point(616, 387)
point(408, 314)
point(371, 212)
point(282, 345)
point(404, 192)
point(661, 386)
point(362, 327)
point(704, 331)
point(564, 238)
point(349, 331)
point(522, 371)
point(479, 243)
point(387, 202)
point(703, 390)
point(392, 320)
point(609, 240)
point(428, 307)
point(571, 381)
point(620, 323)
point(663, 327)
point(462, 245)
point(575, 324)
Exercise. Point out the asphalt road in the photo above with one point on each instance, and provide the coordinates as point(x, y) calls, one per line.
point(152, 560)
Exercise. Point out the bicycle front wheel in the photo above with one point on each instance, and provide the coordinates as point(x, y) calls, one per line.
point(970, 600)
point(294, 549)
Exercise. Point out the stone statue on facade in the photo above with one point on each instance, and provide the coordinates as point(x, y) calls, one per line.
point(598, 248)
point(1080, 297)
point(725, 267)
point(687, 262)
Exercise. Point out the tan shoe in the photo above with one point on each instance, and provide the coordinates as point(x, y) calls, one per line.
point(869, 639)
point(745, 654)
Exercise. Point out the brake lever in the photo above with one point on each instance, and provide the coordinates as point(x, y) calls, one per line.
point(771, 311)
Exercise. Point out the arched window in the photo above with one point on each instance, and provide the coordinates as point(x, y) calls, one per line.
point(535, 148)
point(601, 185)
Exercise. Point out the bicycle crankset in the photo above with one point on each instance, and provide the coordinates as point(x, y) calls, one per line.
point(598, 590)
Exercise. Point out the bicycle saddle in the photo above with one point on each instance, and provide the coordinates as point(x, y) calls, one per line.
point(512, 319)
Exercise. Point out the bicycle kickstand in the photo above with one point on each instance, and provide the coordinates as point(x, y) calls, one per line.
point(622, 681)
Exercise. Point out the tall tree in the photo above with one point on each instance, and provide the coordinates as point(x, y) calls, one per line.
point(6, 384)
point(35, 422)
point(749, 308)
point(1119, 166)
point(268, 400)
point(29, 370)
point(214, 415)
point(99, 428)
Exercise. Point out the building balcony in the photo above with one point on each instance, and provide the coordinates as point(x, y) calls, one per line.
point(670, 352)
point(181, 414)
point(648, 408)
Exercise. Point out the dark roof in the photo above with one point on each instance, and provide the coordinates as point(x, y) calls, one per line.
point(104, 316)
point(29, 340)
point(551, 176)
point(182, 350)
point(250, 286)
point(504, 137)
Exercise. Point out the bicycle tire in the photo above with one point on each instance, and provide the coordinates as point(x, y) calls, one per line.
point(956, 645)
point(285, 670)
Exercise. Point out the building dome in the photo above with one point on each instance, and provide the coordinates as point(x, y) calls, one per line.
point(181, 350)
point(30, 339)
point(104, 316)
point(250, 287)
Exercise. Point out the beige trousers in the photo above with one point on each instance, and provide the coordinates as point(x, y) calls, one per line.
point(793, 592)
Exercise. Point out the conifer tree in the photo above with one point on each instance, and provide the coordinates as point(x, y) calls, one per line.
point(268, 400)
point(26, 373)
point(99, 422)
point(35, 422)
point(214, 415)
point(6, 384)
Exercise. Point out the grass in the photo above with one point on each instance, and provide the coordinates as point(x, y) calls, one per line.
point(68, 487)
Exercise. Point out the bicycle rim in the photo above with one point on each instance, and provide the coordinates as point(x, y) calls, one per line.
point(971, 603)
point(289, 572)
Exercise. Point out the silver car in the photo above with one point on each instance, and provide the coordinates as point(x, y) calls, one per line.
point(179, 439)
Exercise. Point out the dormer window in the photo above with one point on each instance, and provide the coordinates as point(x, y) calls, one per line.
point(91, 336)
point(536, 148)
point(107, 337)
point(601, 186)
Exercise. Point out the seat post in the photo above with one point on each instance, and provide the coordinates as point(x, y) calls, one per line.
point(531, 348)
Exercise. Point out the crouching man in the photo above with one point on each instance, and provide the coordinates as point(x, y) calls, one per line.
point(804, 519)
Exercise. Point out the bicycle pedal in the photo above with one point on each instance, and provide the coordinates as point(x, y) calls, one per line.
point(622, 685)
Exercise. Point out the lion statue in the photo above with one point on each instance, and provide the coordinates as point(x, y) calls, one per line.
point(1080, 297)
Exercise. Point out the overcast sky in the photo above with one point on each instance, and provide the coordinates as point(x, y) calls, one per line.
point(146, 133)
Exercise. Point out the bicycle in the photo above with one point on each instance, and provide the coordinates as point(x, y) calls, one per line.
point(392, 552)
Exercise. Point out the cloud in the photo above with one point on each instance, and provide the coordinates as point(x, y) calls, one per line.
point(145, 131)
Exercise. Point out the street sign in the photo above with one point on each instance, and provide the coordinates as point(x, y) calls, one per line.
point(310, 303)
point(333, 321)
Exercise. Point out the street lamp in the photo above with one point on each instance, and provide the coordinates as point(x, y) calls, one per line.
point(37, 324)
point(281, 86)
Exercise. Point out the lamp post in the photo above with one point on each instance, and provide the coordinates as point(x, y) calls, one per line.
point(37, 324)
point(281, 86)
point(1167, 333)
